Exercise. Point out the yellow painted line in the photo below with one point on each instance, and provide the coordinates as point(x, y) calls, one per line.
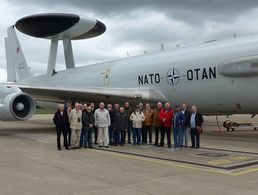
point(245, 172)
point(178, 165)
point(165, 163)
point(251, 123)
point(231, 160)
point(234, 150)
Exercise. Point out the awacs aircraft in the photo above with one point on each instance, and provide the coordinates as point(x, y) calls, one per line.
point(220, 77)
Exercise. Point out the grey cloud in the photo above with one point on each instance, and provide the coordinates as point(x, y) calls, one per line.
point(186, 10)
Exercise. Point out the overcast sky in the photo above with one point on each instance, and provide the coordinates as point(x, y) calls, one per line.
point(133, 26)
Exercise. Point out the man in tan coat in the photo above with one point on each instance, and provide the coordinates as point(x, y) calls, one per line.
point(75, 119)
point(147, 125)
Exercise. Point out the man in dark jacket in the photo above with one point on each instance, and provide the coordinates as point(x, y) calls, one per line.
point(128, 112)
point(61, 122)
point(84, 109)
point(111, 127)
point(195, 120)
point(120, 127)
point(179, 120)
point(116, 110)
point(87, 127)
point(94, 127)
point(68, 107)
point(186, 113)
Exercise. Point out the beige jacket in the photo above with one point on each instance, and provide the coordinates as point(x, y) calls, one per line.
point(75, 119)
point(137, 119)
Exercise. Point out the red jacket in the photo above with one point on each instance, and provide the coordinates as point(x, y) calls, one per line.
point(167, 115)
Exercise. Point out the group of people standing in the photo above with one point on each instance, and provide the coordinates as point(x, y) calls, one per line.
point(111, 126)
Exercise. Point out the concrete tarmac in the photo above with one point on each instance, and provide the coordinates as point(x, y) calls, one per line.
point(226, 163)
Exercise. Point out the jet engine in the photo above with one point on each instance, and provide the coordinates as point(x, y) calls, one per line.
point(15, 105)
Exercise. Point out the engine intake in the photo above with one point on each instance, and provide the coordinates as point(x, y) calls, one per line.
point(16, 105)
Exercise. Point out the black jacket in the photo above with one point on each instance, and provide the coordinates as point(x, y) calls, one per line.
point(61, 120)
point(187, 114)
point(198, 119)
point(87, 119)
point(116, 112)
point(121, 121)
point(112, 116)
point(128, 112)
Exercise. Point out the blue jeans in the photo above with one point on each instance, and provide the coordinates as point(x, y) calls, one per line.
point(81, 137)
point(176, 137)
point(137, 132)
point(181, 132)
point(117, 136)
point(184, 136)
point(86, 138)
point(89, 138)
point(111, 133)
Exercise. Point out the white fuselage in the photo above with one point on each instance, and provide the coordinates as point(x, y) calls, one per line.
point(190, 75)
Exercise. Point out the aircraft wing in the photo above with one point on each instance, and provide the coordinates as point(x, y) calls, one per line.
point(57, 93)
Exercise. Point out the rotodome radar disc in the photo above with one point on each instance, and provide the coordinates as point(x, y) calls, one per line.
point(60, 26)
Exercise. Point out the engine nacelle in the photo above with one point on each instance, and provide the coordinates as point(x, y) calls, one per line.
point(15, 105)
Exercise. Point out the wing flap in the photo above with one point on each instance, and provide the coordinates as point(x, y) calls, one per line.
point(59, 93)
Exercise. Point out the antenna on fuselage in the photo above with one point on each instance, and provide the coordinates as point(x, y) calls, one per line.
point(60, 26)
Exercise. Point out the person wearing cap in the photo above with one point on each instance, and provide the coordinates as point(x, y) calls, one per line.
point(137, 118)
point(166, 116)
point(141, 107)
